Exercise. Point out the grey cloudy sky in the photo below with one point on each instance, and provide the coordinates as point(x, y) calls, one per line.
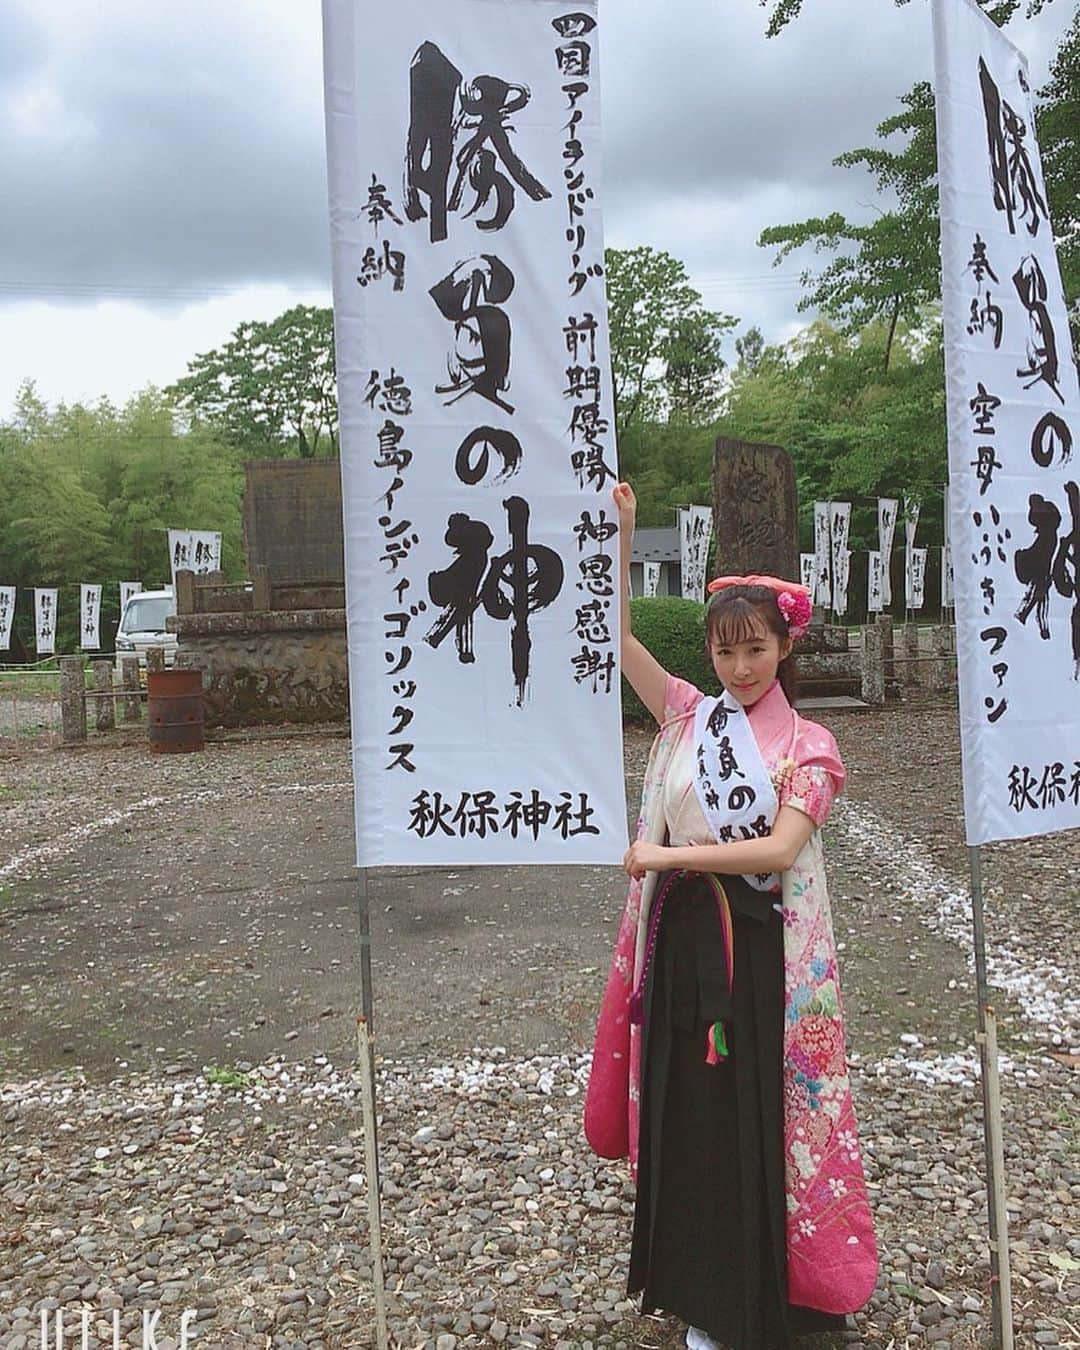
point(164, 177)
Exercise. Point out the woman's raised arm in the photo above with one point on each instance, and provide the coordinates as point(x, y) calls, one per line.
point(647, 676)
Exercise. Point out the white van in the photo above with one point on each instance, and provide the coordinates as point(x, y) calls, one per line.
point(142, 626)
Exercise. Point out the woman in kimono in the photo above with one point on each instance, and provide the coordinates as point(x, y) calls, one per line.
point(719, 1064)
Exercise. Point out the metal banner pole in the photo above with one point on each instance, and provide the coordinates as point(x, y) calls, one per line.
point(1000, 1274)
point(365, 1036)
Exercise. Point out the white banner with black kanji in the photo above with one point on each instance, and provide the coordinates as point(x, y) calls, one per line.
point(1014, 414)
point(45, 620)
point(477, 432)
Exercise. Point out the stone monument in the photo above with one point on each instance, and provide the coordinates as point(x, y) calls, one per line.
point(292, 521)
point(755, 510)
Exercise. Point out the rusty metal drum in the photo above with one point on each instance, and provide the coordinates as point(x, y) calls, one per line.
point(174, 708)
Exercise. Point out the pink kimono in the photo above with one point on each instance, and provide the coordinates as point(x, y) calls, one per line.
point(831, 1251)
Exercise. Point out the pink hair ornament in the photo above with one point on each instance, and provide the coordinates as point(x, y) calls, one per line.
point(792, 598)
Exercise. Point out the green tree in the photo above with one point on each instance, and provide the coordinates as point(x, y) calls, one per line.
point(888, 269)
point(854, 429)
point(88, 493)
point(272, 386)
point(665, 345)
point(1059, 143)
point(782, 12)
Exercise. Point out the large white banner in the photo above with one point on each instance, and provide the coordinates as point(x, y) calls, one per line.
point(194, 551)
point(478, 447)
point(886, 529)
point(45, 621)
point(89, 617)
point(823, 553)
point(1014, 414)
point(695, 536)
point(7, 615)
point(650, 578)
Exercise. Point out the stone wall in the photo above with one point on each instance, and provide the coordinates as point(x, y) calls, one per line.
point(269, 667)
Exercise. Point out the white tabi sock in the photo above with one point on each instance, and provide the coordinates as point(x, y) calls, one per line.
point(699, 1340)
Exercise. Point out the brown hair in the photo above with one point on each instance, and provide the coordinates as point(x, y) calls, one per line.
point(742, 613)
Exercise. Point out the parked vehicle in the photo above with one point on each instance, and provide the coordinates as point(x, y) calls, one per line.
point(142, 626)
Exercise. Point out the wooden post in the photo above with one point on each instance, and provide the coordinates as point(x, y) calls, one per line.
point(106, 709)
point(73, 699)
point(155, 656)
point(129, 681)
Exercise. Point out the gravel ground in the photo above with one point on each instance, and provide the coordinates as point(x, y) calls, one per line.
point(181, 1113)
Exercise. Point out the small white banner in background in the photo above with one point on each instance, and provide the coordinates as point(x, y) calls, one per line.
point(194, 551)
point(127, 590)
point(916, 579)
point(1013, 405)
point(477, 431)
point(946, 577)
point(839, 529)
point(45, 621)
point(886, 531)
point(650, 578)
point(89, 617)
point(841, 577)
point(823, 554)
point(7, 615)
point(808, 571)
point(875, 584)
point(695, 536)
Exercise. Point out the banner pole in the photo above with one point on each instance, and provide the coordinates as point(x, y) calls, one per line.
point(365, 1036)
point(986, 1037)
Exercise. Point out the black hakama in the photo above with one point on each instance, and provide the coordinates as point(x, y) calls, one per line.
point(709, 1225)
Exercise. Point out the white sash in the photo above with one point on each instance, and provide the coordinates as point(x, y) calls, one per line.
point(733, 785)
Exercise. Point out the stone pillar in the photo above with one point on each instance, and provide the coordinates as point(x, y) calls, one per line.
point(106, 710)
point(907, 651)
point(73, 699)
point(943, 670)
point(129, 681)
point(885, 624)
point(185, 591)
point(155, 658)
point(873, 664)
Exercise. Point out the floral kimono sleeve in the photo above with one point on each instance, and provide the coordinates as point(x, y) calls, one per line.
point(812, 780)
point(680, 697)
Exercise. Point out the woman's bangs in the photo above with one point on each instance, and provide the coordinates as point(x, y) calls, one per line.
point(737, 621)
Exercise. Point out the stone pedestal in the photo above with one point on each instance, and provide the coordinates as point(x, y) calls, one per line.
point(155, 658)
point(270, 667)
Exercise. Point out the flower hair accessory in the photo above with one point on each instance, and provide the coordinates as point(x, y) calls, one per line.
point(792, 598)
